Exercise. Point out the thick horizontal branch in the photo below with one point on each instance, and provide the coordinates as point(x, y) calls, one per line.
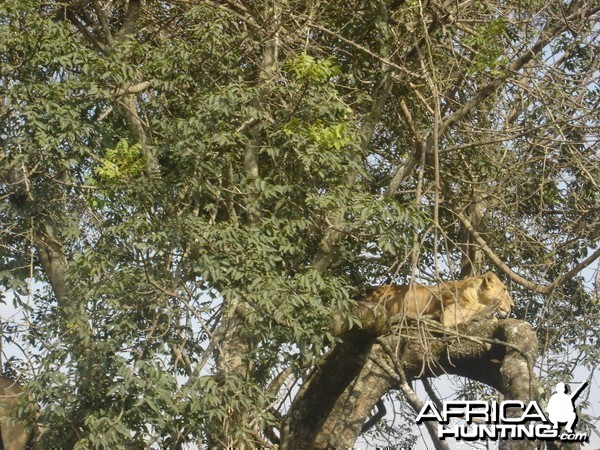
point(334, 403)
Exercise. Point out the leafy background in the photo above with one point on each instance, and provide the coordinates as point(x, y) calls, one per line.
point(190, 163)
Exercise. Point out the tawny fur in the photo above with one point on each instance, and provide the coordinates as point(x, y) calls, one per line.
point(452, 302)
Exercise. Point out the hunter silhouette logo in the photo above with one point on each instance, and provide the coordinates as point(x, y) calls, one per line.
point(510, 419)
point(561, 407)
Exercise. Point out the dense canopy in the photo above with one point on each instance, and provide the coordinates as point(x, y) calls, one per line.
point(191, 191)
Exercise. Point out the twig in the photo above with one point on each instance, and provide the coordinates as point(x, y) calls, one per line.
point(411, 396)
point(535, 287)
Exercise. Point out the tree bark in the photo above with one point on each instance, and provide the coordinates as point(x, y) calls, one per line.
point(472, 258)
point(335, 401)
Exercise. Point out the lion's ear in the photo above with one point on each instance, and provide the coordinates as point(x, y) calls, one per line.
point(489, 278)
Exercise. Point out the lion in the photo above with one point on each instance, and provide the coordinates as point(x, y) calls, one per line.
point(451, 302)
point(15, 436)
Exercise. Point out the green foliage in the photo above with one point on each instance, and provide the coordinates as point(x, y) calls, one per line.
point(307, 68)
point(167, 236)
point(122, 163)
point(488, 44)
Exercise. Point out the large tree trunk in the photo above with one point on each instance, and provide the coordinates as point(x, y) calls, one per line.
point(336, 400)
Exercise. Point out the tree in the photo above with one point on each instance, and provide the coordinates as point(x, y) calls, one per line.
point(193, 190)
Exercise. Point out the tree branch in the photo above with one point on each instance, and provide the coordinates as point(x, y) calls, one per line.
point(411, 397)
point(103, 22)
point(482, 94)
point(91, 37)
point(534, 287)
point(135, 89)
point(134, 11)
point(362, 48)
point(487, 90)
point(334, 234)
point(380, 414)
point(336, 399)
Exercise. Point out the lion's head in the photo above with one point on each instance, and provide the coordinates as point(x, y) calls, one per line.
point(493, 291)
point(463, 299)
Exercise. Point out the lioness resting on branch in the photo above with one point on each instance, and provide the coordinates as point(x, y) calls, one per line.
point(451, 302)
